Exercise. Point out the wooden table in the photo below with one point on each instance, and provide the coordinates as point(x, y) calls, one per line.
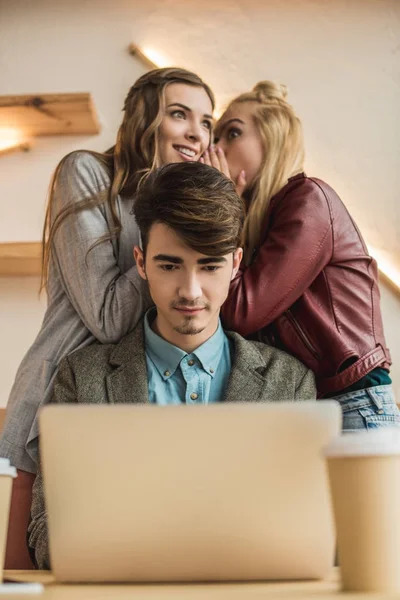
point(305, 590)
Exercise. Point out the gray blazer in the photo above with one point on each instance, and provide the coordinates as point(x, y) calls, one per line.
point(91, 296)
point(117, 373)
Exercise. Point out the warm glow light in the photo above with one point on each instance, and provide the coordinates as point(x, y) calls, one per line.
point(10, 138)
point(155, 57)
point(385, 266)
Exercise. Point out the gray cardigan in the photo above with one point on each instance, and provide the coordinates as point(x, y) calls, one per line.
point(108, 374)
point(91, 296)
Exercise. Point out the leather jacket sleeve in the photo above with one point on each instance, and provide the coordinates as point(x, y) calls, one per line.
point(297, 246)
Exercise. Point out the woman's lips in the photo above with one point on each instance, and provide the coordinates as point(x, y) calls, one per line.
point(182, 153)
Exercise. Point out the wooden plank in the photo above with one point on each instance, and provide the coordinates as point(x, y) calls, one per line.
point(325, 589)
point(20, 259)
point(49, 114)
point(44, 577)
point(2, 418)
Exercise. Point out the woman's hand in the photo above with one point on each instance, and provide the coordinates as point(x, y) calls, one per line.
point(215, 157)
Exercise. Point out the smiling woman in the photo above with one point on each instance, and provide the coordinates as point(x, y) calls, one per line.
point(94, 290)
point(186, 125)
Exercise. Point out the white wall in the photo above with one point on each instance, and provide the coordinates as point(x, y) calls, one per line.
point(339, 59)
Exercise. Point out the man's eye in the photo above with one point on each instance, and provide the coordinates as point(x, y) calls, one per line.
point(211, 268)
point(168, 267)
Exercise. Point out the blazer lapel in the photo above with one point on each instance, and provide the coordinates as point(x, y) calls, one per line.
point(127, 383)
point(245, 384)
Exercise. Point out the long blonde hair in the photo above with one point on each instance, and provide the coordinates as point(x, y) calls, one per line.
point(282, 135)
point(134, 154)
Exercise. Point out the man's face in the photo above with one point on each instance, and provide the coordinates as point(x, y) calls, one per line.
point(188, 288)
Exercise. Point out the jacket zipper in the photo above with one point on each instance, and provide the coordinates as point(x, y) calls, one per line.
point(302, 334)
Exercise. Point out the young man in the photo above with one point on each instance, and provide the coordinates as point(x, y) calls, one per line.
point(190, 219)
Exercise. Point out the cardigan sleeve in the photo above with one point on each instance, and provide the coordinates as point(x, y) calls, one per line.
point(109, 302)
point(38, 537)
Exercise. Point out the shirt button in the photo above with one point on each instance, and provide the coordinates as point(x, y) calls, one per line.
point(211, 370)
point(167, 373)
point(194, 396)
point(191, 362)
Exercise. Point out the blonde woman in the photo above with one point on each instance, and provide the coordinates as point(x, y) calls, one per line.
point(307, 283)
point(94, 291)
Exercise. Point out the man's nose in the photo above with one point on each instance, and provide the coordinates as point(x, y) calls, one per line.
point(190, 288)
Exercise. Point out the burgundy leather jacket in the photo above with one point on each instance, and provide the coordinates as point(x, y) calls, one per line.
point(312, 288)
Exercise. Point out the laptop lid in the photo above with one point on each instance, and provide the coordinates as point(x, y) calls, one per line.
point(202, 493)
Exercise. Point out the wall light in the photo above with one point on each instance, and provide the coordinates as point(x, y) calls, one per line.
point(12, 140)
point(390, 273)
point(156, 57)
point(138, 53)
point(152, 58)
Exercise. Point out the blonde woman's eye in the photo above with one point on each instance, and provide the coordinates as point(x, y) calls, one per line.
point(233, 133)
point(207, 125)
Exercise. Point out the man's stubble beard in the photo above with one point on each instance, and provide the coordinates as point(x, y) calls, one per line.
point(188, 328)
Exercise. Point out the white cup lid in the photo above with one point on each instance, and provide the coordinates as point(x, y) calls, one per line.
point(378, 442)
point(6, 468)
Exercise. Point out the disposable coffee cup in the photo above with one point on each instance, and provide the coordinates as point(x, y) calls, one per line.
point(7, 474)
point(364, 474)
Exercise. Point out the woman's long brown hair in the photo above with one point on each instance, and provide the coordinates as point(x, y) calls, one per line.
point(135, 153)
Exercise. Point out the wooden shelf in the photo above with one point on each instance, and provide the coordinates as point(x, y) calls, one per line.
point(20, 259)
point(49, 114)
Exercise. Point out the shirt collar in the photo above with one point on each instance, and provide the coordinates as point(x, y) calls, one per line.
point(167, 357)
point(209, 353)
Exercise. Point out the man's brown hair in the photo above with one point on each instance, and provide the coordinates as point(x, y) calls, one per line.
point(197, 202)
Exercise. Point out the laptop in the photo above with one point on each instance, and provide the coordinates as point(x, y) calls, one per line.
point(201, 493)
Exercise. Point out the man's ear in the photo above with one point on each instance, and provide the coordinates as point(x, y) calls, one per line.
point(237, 259)
point(139, 259)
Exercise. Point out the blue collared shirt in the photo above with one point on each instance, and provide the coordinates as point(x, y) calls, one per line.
point(175, 377)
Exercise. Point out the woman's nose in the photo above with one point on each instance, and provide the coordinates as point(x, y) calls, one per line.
point(194, 131)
